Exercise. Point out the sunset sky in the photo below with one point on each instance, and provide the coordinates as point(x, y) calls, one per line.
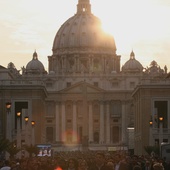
point(29, 25)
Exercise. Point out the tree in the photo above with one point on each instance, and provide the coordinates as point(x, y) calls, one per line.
point(12, 149)
point(4, 144)
point(150, 149)
point(32, 149)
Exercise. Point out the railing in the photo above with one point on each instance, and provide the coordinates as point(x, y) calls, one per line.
point(156, 132)
point(20, 82)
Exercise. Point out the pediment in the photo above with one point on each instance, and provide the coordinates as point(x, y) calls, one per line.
point(82, 87)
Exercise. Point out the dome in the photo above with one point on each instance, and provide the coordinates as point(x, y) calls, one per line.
point(132, 65)
point(83, 31)
point(35, 66)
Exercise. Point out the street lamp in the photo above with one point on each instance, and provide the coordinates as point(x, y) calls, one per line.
point(151, 123)
point(26, 119)
point(150, 133)
point(160, 130)
point(32, 123)
point(8, 106)
point(33, 133)
point(161, 119)
point(18, 130)
point(26, 129)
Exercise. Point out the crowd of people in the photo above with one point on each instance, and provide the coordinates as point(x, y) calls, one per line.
point(87, 160)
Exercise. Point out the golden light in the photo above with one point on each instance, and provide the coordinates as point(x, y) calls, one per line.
point(161, 118)
point(70, 134)
point(32, 123)
point(150, 122)
point(18, 114)
point(8, 105)
point(26, 119)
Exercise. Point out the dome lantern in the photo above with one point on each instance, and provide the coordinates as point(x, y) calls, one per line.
point(35, 56)
point(83, 7)
point(132, 55)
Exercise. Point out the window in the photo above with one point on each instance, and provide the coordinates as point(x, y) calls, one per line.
point(96, 121)
point(49, 134)
point(132, 84)
point(115, 120)
point(49, 121)
point(96, 84)
point(160, 110)
point(49, 84)
point(116, 109)
point(69, 121)
point(115, 84)
point(115, 134)
point(68, 84)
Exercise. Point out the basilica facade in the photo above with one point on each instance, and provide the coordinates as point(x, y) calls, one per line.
point(85, 100)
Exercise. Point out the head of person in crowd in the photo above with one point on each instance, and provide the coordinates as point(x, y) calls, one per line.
point(82, 165)
point(61, 162)
point(117, 158)
point(158, 166)
point(6, 163)
point(123, 165)
point(72, 164)
point(137, 167)
point(110, 165)
point(99, 159)
point(148, 164)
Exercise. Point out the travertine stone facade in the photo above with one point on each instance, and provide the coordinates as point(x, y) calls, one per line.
point(86, 100)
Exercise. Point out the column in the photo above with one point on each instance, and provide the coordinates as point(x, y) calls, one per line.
point(78, 64)
point(90, 123)
point(57, 122)
point(85, 117)
point(63, 124)
point(74, 138)
point(123, 138)
point(150, 133)
point(107, 123)
point(9, 129)
point(8, 121)
point(26, 130)
point(101, 122)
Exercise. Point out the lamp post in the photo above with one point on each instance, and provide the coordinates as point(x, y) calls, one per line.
point(18, 130)
point(8, 122)
point(160, 130)
point(33, 135)
point(150, 132)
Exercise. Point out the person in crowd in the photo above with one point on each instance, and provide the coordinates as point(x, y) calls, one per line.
point(158, 166)
point(6, 165)
point(72, 164)
point(117, 159)
point(110, 165)
point(100, 163)
point(124, 165)
point(82, 165)
point(148, 165)
point(137, 167)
